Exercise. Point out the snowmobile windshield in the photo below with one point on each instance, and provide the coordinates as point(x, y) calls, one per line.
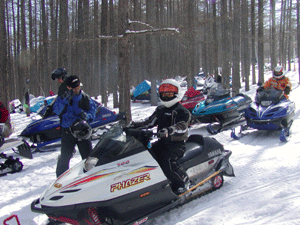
point(115, 144)
point(217, 92)
point(268, 96)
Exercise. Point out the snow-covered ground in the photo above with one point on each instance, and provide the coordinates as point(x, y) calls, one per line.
point(265, 190)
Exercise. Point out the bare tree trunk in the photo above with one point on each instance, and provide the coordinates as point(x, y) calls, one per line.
point(245, 44)
point(253, 57)
point(225, 46)
point(103, 71)
point(3, 65)
point(298, 36)
point(215, 40)
point(44, 46)
point(96, 72)
point(150, 51)
point(273, 36)
point(289, 43)
point(112, 55)
point(236, 49)
point(124, 60)
point(63, 34)
point(282, 34)
point(261, 61)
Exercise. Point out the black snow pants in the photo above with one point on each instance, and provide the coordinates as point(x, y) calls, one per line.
point(68, 142)
point(167, 154)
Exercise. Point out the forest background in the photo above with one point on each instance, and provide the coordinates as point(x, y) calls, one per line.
point(114, 45)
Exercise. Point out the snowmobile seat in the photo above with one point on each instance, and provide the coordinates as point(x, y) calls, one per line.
point(242, 99)
point(194, 148)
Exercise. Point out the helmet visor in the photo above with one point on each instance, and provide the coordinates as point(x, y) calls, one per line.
point(168, 88)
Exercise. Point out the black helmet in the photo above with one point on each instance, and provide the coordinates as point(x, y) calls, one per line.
point(59, 73)
point(72, 81)
point(81, 129)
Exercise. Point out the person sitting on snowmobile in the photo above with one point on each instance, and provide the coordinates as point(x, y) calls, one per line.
point(60, 74)
point(76, 109)
point(278, 81)
point(173, 121)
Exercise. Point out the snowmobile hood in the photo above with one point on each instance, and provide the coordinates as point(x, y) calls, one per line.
point(271, 112)
point(40, 125)
point(270, 104)
point(215, 107)
point(112, 180)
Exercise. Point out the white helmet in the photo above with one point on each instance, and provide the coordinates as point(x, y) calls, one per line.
point(278, 72)
point(169, 92)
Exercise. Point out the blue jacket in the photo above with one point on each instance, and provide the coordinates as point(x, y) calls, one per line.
point(69, 111)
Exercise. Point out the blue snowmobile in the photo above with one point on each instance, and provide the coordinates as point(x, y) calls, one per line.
point(220, 109)
point(270, 111)
point(46, 131)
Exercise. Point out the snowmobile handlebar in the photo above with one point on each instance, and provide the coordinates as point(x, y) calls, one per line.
point(139, 133)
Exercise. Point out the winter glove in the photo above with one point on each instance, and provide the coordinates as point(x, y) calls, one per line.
point(287, 90)
point(84, 116)
point(132, 124)
point(163, 133)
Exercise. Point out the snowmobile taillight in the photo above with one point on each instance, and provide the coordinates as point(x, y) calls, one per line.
point(90, 163)
point(210, 162)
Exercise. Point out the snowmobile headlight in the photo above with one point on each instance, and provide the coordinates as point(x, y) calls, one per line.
point(266, 103)
point(90, 163)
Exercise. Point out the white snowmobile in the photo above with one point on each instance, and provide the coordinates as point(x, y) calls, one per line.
point(121, 183)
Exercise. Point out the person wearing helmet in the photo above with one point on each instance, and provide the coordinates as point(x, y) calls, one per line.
point(278, 81)
point(76, 110)
point(172, 121)
point(59, 74)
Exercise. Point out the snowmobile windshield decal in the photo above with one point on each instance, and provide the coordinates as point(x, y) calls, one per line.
point(214, 153)
point(123, 163)
point(130, 182)
point(143, 169)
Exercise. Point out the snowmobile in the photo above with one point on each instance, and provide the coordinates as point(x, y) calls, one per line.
point(10, 165)
point(46, 131)
point(122, 183)
point(220, 109)
point(270, 111)
point(191, 98)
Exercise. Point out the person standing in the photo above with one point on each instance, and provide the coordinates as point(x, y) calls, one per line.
point(59, 74)
point(76, 110)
